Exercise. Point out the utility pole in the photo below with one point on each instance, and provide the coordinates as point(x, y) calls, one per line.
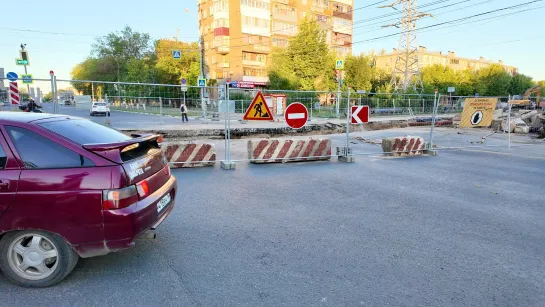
point(27, 86)
point(203, 90)
point(406, 72)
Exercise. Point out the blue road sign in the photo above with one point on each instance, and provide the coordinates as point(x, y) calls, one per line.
point(177, 54)
point(12, 76)
point(183, 81)
point(27, 79)
point(201, 82)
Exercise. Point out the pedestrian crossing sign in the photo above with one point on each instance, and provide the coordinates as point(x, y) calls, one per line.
point(176, 54)
point(339, 64)
point(258, 109)
point(201, 82)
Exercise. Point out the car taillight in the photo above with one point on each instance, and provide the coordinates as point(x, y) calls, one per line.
point(118, 199)
point(143, 189)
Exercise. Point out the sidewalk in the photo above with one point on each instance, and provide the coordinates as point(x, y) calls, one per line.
point(199, 124)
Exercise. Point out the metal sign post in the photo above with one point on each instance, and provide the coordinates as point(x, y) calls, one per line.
point(228, 164)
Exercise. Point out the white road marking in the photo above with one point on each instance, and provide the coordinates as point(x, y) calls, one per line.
point(296, 115)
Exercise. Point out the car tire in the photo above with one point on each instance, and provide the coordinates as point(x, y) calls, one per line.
point(92, 114)
point(108, 113)
point(42, 246)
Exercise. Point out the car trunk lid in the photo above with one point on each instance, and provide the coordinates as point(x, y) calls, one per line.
point(140, 157)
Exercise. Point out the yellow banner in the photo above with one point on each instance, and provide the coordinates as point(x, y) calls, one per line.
point(478, 112)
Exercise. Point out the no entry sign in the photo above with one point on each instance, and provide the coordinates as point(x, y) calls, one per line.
point(296, 115)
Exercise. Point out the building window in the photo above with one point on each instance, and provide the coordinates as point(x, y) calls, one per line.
point(304, 2)
point(284, 28)
point(254, 72)
point(339, 22)
point(280, 42)
point(258, 4)
point(454, 61)
point(221, 41)
point(255, 22)
point(221, 23)
point(283, 10)
point(321, 3)
point(254, 57)
point(221, 5)
point(322, 18)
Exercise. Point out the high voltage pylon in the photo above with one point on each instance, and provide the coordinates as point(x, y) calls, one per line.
point(406, 72)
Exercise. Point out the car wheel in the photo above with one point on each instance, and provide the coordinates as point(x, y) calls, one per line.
point(92, 114)
point(35, 258)
point(108, 113)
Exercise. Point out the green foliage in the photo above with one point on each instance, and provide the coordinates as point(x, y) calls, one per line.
point(306, 64)
point(358, 72)
point(494, 80)
point(519, 84)
point(121, 47)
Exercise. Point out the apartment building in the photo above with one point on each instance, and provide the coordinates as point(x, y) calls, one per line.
point(428, 58)
point(239, 35)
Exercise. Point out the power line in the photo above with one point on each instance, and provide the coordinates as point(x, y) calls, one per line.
point(398, 13)
point(434, 9)
point(433, 27)
point(455, 20)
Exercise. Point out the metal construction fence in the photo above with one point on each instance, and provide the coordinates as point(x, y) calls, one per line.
point(434, 119)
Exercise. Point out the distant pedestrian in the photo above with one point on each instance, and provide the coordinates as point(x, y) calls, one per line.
point(183, 109)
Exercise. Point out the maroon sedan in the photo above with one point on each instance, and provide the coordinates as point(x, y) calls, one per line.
point(72, 188)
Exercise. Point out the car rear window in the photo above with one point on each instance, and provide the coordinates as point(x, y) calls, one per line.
point(83, 131)
point(100, 104)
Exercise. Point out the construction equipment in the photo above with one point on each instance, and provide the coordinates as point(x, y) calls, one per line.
point(525, 101)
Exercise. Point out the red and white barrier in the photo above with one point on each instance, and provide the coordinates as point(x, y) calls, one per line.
point(189, 155)
point(271, 151)
point(14, 96)
point(403, 146)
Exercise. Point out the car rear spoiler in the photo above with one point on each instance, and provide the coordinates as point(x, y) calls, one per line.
point(112, 151)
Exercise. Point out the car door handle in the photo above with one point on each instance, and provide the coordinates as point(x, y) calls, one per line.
point(4, 184)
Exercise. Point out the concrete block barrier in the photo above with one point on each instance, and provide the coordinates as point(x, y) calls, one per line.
point(274, 151)
point(196, 155)
point(403, 146)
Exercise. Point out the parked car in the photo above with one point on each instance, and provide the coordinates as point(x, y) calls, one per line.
point(71, 188)
point(99, 108)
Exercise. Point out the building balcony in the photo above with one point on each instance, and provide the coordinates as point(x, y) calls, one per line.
point(286, 18)
point(288, 2)
point(222, 49)
point(257, 48)
point(254, 63)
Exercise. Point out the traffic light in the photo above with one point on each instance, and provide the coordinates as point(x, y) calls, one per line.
point(24, 58)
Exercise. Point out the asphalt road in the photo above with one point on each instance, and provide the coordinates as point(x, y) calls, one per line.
point(460, 229)
point(120, 120)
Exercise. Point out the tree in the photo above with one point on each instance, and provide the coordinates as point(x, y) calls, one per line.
point(358, 72)
point(493, 81)
point(121, 47)
point(519, 84)
point(170, 70)
point(306, 64)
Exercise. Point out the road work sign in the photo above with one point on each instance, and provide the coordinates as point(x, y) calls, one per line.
point(478, 112)
point(258, 109)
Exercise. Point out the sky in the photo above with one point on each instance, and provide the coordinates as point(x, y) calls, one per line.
point(59, 34)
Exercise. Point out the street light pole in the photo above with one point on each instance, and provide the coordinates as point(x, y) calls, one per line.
point(27, 86)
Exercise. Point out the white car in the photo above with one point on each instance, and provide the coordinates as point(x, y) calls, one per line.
point(100, 108)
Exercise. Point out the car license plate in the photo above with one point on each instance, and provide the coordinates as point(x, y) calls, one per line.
point(163, 202)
